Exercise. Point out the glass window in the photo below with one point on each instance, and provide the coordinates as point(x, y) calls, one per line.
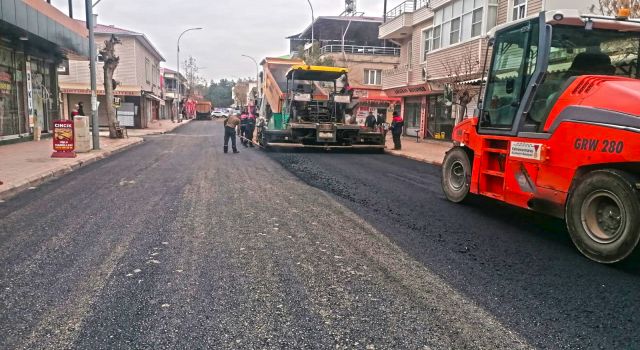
point(476, 26)
point(373, 77)
point(147, 70)
point(576, 51)
point(436, 38)
point(454, 36)
point(466, 26)
point(457, 9)
point(519, 9)
point(426, 39)
point(468, 6)
point(446, 28)
point(513, 62)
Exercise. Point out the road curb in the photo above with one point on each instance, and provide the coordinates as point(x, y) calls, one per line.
point(57, 173)
point(418, 159)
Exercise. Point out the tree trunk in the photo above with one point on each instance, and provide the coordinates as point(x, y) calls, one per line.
point(108, 93)
point(111, 62)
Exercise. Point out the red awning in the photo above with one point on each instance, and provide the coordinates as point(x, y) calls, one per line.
point(374, 95)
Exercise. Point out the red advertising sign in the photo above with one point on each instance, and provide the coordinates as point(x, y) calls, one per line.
point(63, 142)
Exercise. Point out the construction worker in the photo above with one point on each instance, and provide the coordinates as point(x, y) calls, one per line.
point(249, 128)
point(230, 127)
point(370, 122)
point(397, 126)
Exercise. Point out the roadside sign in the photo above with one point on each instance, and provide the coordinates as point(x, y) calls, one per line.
point(63, 141)
point(116, 102)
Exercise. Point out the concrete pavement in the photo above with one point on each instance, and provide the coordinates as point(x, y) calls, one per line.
point(426, 151)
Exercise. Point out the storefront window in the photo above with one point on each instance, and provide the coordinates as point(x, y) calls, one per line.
point(12, 121)
point(412, 115)
point(439, 119)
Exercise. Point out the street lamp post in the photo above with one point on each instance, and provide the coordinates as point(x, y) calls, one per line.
point(313, 20)
point(95, 128)
point(179, 97)
point(257, 74)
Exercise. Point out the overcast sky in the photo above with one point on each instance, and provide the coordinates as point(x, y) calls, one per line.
point(231, 27)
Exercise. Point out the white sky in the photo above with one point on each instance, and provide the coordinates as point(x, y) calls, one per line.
point(231, 27)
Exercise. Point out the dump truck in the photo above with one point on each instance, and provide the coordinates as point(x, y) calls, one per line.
point(203, 110)
point(558, 128)
point(305, 106)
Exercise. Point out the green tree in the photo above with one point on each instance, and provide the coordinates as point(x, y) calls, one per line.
point(219, 93)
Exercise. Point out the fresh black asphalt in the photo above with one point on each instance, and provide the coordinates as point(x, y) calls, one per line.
point(174, 245)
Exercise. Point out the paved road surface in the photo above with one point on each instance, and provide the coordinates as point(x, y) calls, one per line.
point(175, 245)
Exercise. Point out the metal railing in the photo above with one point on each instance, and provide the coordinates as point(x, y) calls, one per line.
point(362, 50)
point(408, 6)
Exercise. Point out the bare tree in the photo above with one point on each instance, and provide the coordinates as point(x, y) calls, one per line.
point(611, 7)
point(191, 70)
point(460, 70)
point(240, 91)
point(111, 62)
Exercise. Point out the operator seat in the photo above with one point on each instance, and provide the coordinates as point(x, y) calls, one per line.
point(585, 63)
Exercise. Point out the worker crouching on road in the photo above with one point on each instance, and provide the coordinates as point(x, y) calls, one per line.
point(397, 125)
point(230, 126)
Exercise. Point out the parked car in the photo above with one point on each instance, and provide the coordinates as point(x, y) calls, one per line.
point(219, 113)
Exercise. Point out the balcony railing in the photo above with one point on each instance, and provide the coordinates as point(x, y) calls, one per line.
point(362, 50)
point(408, 6)
point(405, 7)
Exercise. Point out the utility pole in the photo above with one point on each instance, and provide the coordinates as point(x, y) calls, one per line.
point(95, 127)
point(384, 14)
point(313, 21)
point(257, 75)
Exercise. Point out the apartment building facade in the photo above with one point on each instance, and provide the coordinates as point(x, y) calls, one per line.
point(173, 85)
point(138, 77)
point(443, 50)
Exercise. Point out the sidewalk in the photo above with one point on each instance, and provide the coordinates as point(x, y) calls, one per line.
point(29, 164)
point(427, 151)
point(155, 127)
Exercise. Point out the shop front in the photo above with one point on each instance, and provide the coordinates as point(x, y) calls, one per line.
point(29, 60)
point(73, 94)
point(425, 112)
point(369, 100)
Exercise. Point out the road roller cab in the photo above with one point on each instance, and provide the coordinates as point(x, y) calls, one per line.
point(558, 128)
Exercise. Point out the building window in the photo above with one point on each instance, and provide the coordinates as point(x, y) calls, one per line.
point(519, 9)
point(147, 70)
point(462, 20)
point(427, 38)
point(373, 77)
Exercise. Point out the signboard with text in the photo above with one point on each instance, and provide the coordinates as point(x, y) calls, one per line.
point(63, 141)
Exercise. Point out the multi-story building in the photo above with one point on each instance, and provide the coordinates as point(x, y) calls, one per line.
point(352, 42)
point(138, 77)
point(443, 46)
point(173, 83)
point(35, 41)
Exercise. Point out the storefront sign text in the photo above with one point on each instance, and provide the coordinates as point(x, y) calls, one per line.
point(63, 142)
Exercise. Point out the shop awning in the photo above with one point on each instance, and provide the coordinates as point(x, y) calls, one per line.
point(374, 95)
point(153, 97)
point(84, 89)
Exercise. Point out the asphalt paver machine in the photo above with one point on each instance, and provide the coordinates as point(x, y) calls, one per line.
point(312, 112)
